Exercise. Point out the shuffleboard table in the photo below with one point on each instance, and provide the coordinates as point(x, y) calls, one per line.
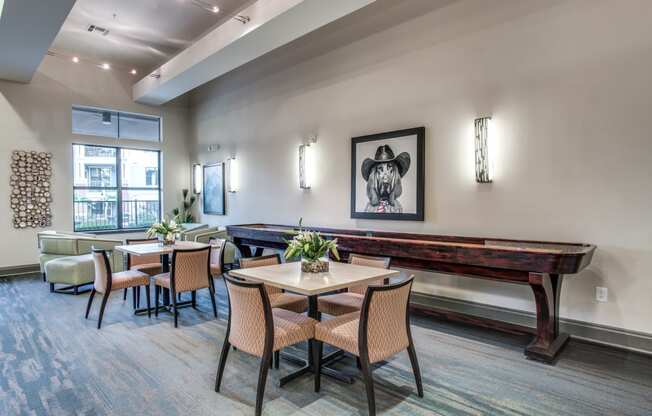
point(541, 265)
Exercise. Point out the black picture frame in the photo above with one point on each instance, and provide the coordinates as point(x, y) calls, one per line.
point(213, 200)
point(356, 173)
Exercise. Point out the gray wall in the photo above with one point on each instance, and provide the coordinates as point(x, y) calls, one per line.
point(37, 116)
point(568, 85)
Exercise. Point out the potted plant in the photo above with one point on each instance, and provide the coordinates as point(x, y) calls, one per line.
point(166, 231)
point(184, 214)
point(311, 246)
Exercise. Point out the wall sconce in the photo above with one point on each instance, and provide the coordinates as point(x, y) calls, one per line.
point(306, 165)
point(483, 162)
point(197, 178)
point(233, 175)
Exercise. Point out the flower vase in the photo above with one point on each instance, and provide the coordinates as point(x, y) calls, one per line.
point(314, 266)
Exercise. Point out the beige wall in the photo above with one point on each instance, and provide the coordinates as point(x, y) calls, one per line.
point(568, 85)
point(37, 116)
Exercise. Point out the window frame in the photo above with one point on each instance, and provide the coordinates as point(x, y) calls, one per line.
point(118, 114)
point(118, 189)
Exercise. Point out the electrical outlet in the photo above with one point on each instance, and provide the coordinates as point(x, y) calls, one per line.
point(601, 294)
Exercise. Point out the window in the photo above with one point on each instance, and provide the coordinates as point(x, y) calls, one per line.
point(109, 123)
point(115, 188)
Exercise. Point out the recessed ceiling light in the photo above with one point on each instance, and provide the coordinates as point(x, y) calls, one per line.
point(106, 66)
point(133, 72)
point(75, 59)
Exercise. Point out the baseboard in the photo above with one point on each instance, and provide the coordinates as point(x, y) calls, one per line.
point(18, 270)
point(601, 334)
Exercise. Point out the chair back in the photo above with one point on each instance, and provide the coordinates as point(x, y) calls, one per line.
point(369, 261)
point(190, 269)
point(384, 320)
point(251, 324)
point(269, 260)
point(217, 254)
point(103, 276)
point(147, 259)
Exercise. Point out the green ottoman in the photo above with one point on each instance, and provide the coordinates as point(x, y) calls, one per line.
point(73, 271)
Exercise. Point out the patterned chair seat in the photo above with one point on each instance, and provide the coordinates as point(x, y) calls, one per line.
point(128, 278)
point(340, 303)
point(289, 301)
point(148, 268)
point(291, 328)
point(340, 332)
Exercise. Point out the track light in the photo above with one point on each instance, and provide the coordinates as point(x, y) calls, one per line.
point(215, 9)
point(75, 59)
point(133, 72)
point(106, 118)
point(106, 66)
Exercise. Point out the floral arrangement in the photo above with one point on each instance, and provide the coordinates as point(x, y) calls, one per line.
point(311, 246)
point(165, 230)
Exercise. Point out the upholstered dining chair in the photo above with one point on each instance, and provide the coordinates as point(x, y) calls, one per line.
point(258, 329)
point(278, 298)
point(351, 301)
point(150, 265)
point(218, 246)
point(106, 282)
point(380, 330)
point(189, 272)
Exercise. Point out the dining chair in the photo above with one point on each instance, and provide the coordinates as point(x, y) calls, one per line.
point(106, 282)
point(277, 297)
point(380, 330)
point(189, 272)
point(149, 264)
point(218, 246)
point(258, 329)
point(351, 301)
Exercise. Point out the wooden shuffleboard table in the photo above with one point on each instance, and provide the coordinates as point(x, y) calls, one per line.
point(539, 264)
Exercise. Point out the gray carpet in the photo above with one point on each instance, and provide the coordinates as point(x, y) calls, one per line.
point(53, 362)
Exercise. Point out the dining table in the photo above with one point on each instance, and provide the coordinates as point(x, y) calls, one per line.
point(164, 251)
point(289, 277)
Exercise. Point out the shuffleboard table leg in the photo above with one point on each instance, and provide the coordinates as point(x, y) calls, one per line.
point(548, 341)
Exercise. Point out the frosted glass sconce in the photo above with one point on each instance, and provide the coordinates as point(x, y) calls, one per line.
point(483, 163)
point(306, 162)
point(197, 178)
point(233, 175)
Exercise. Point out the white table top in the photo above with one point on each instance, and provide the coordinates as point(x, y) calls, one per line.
point(290, 277)
point(157, 248)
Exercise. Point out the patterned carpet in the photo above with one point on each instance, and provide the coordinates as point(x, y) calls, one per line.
point(53, 362)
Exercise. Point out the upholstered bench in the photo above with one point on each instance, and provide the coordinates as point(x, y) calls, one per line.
point(73, 271)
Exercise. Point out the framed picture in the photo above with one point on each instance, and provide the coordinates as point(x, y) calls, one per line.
point(214, 189)
point(387, 175)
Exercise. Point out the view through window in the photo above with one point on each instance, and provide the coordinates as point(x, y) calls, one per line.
point(115, 188)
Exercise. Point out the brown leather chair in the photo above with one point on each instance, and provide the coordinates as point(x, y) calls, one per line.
point(150, 264)
point(351, 301)
point(106, 282)
point(380, 330)
point(189, 272)
point(258, 329)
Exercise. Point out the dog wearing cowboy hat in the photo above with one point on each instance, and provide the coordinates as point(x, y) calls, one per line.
point(383, 174)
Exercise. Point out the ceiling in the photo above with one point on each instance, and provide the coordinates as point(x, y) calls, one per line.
point(142, 33)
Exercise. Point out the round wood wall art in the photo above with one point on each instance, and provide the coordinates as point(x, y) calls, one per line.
point(30, 189)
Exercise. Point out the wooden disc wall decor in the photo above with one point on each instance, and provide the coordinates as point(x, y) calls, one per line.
point(30, 189)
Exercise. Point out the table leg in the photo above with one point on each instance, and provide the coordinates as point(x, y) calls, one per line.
point(548, 341)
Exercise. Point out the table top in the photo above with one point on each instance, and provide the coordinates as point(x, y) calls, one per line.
point(290, 277)
point(157, 248)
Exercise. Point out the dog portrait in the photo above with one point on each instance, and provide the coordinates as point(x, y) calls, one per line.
point(387, 175)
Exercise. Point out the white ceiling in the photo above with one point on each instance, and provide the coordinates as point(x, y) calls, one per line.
point(26, 31)
point(143, 33)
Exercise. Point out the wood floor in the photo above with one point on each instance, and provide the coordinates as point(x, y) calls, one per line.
point(53, 362)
